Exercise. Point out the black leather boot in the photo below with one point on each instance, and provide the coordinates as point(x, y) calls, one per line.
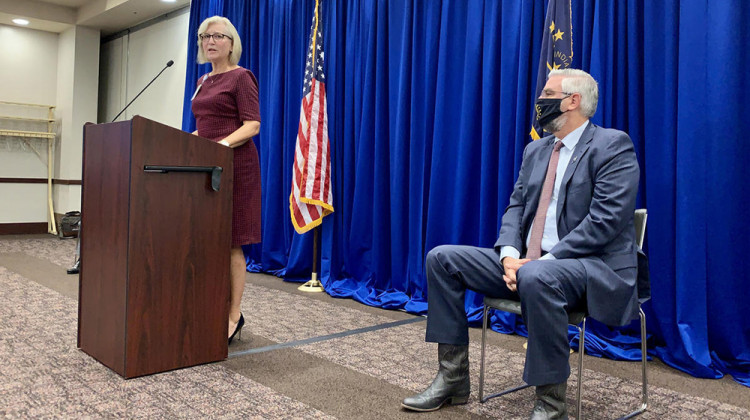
point(451, 385)
point(550, 402)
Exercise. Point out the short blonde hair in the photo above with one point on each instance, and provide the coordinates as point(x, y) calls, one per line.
point(234, 57)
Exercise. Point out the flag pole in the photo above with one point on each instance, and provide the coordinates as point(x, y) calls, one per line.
point(313, 285)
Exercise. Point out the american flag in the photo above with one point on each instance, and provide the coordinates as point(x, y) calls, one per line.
point(311, 198)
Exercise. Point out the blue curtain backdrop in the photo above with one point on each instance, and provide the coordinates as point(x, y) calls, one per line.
point(428, 106)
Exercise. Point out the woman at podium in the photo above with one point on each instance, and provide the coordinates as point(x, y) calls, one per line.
point(226, 109)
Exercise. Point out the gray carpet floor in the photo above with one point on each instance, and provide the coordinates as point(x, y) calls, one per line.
point(302, 355)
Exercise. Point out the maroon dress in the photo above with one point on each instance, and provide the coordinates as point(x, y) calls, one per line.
point(220, 106)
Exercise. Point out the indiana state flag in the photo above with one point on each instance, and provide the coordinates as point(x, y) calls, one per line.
point(557, 50)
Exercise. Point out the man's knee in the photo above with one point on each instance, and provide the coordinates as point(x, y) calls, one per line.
point(532, 279)
point(438, 256)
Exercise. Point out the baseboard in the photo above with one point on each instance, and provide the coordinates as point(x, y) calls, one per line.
point(22, 228)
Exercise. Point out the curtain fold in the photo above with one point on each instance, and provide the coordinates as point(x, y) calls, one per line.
point(429, 111)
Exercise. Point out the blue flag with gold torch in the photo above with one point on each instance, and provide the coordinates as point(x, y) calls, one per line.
point(557, 50)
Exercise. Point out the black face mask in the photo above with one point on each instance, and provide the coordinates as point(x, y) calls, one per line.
point(547, 109)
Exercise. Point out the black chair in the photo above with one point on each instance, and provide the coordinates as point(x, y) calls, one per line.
point(576, 318)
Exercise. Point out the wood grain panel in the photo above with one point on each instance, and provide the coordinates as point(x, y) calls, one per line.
point(104, 242)
point(154, 283)
point(180, 236)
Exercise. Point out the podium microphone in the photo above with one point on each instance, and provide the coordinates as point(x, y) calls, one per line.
point(169, 64)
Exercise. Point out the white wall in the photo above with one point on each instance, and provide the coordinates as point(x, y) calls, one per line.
point(86, 81)
point(28, 74)
point(46, 68)
point(29, 69)
point(112, 83)
point(130, 62)
point(77, 92)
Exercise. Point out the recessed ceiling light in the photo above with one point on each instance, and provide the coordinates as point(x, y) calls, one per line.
point(20, 21)
point(169, 1)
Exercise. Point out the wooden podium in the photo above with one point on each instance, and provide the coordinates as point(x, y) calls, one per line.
point(155, 241)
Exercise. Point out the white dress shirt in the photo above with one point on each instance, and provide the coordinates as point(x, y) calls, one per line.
point(549, 236)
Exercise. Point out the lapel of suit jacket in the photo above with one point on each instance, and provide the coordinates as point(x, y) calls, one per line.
point(580, 150)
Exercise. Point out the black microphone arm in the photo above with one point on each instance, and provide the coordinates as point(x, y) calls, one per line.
point(169, 64)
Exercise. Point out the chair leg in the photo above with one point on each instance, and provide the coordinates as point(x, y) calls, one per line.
point(481, 363)
point(644, 359)
point(644, 364)
point(507, 391)
point(581, 348)
point(482, 398)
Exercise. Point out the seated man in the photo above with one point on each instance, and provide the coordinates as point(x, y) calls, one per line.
point(571, 218)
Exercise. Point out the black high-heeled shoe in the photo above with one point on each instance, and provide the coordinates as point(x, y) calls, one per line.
point(238, 329)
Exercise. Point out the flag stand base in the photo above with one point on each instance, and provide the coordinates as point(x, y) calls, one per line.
point(312, 285)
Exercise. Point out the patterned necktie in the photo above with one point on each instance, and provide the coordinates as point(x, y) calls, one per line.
point(537, 230)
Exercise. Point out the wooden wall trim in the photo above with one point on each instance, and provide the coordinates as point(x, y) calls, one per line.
point(66, 181)
point(39, 181)
point(23, 180)
point(22, 228)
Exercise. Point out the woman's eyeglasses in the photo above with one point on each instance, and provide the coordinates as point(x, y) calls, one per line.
point(217, 37)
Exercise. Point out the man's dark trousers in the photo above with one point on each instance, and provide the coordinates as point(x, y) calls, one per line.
point(546, 289)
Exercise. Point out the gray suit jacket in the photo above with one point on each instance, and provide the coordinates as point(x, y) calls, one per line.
point(595, 209)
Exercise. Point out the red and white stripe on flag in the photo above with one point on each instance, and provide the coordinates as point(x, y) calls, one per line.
point(311, 198)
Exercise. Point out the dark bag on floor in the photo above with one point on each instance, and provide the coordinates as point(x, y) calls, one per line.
point(70, 224)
